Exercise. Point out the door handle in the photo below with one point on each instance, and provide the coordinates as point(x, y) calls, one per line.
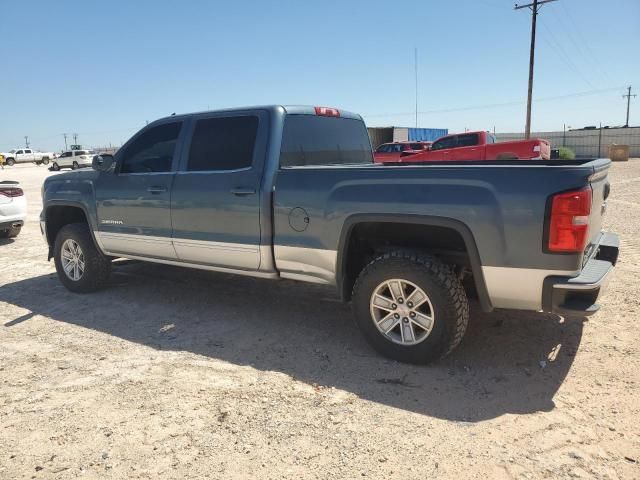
point(157, 189)
point(241, 192)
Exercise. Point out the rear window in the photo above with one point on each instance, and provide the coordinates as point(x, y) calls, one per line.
point(223, 143)
point(315, 140)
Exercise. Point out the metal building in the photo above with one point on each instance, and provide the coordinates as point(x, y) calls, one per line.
point(380, 135)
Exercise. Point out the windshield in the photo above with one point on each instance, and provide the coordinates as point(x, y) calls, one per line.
point(12, 151)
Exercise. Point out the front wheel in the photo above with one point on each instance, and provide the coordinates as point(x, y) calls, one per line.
point(11, 162)
point(45, 160)
point(81, 267)
point(410, 307)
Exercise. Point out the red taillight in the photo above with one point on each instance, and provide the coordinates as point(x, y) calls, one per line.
point(569, 221)
point(327, 112)
point(11, 192)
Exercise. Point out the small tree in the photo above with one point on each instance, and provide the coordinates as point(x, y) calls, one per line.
point(566, 154)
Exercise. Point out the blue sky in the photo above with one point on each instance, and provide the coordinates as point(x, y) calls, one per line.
point(102, 69)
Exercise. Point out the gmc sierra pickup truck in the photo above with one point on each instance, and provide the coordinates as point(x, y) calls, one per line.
point(477, 146)
point(293, 193)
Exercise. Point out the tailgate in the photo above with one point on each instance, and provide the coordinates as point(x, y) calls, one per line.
point(600, 191)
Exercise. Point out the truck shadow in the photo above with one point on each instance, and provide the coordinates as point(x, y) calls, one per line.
point(509, 362)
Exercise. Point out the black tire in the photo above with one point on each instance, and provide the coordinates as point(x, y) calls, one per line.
point(75, 166)
point(45, 160)
point(445, 292)
point(10, 232)
point(97, 266)
point(55, 167)
point(11, 162)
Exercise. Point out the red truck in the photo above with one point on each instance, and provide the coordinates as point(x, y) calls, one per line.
point(479, 146)
point(392, 152)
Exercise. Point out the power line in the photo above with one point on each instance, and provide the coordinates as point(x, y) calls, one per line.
point(628, 97)
point(496, 105)
point(534, 14)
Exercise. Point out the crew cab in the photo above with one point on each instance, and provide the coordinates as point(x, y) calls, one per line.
point(293, 193)
point(27, 155)
point(481, 146)
point(394, 151)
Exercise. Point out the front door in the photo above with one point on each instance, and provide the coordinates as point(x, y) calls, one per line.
point(133, 202)
point(215, 204)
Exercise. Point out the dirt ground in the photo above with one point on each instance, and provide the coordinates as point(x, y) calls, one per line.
point(174, 373)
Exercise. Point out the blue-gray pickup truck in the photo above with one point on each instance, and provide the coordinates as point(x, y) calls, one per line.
point(292, 192)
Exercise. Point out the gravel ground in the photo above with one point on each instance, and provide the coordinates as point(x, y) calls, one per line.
point(174, 373)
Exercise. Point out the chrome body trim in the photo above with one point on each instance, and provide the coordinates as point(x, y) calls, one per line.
point(518, 288)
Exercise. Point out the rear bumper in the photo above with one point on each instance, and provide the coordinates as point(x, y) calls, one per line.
point(577, 296)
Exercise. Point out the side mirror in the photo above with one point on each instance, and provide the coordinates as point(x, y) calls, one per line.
point(104, 162)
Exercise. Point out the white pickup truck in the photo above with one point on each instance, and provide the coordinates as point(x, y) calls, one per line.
point(27, 155)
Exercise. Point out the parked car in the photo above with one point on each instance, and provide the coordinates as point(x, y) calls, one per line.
point(73, 159)
point(292, 192)
point(392, 152)
point(27, 155)
point(13, 209)
point(481, 146)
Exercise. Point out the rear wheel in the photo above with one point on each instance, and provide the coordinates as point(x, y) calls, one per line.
point(45, 160)
point(11, 162)
point(55, 166)
point(10, 232)
point(410, 307)
point(81, 267)
point(75, 165)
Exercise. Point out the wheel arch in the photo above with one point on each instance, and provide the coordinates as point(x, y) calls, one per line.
point(57, 214)
point(345, 279)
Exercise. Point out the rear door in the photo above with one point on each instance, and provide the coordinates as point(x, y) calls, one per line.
point(215, 206)
point(467, 147)
point(133, 202)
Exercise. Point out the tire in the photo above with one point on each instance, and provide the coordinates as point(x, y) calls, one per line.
point(75, 166)
point(97, 267)
point(55, 167)
point(11, 232)
point(11, 162)
point(45, 160)
point(446, 304)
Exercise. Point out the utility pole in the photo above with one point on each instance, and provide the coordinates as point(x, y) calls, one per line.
point(26, 141)
point(65, 141)
point(628, 97)
point(415, 57)
point(75, 139)
point(534, 13)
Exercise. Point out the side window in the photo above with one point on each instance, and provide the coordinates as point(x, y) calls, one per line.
point(417, 146)
point(317, 140)
point(397, 148)
point(223, 143)
point(19, 152)
point(446, 142)
point(27, 151)
point(382, 148)
point(152, 151)
point(65, 155)
point(468, 140)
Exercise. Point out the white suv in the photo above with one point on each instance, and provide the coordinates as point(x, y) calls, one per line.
point(73, 159)
point(13, 209)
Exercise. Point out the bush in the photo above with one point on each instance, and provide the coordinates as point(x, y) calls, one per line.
point(566, 154)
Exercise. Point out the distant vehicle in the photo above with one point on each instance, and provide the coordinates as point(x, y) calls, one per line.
point(392, 152)
point(481, 146)
point(73, 159)
point(13, 209)
point(27, 155)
